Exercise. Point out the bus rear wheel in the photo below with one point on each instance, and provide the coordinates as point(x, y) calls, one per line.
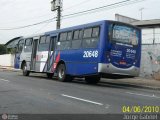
point(62, 76)
point(92, 79)
point(25, 71)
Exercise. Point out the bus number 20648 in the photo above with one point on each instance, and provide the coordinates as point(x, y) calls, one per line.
point(89, 54)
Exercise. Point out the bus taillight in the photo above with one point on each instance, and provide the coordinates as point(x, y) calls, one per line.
point(122, 62)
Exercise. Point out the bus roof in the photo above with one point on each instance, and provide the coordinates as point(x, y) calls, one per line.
point(86, 25)
point(77, 27)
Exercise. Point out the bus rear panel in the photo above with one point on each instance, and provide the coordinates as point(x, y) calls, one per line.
point(123, 50)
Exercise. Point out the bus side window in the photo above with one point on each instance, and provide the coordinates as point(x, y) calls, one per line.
point(95, 32)
point(76, 42)
point(44, 43)
point(48, 39)
point(87, 33)
point(64, 41)
point(28, 45)
point(90, 37)
point(42, 40)
point(69, 35)
point(63, 36)
point(20, 46)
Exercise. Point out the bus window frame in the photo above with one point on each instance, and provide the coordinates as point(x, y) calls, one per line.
point(44, 43)
point(98, 32)
point(30, 45)
point(44, 40)
point(30, 42)
point(80, 35)
point(90, 38)
point(64, 40)
point(18, 46)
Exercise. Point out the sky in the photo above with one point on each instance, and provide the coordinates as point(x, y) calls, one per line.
point(17, 13)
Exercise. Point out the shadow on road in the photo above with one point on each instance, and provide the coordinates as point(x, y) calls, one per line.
point(106, 83)
point(103, 83)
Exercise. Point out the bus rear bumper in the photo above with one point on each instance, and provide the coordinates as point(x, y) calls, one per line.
point(110, 69)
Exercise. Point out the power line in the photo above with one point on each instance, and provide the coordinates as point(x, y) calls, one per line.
point(45, 25)
point(78, 4)
point(35, 17)
point(122, 3)
point(20, 27)
point(110, 6)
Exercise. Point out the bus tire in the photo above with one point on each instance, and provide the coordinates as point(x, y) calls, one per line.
point(61, 73)
point(25, 71)
point(92, 79)
point(50, 75)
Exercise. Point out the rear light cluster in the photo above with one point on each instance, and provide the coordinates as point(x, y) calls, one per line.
point(122, 62)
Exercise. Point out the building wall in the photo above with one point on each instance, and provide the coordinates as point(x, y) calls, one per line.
point(150, 61)
point(125, 19)
point(150, 35)
point(7, 60)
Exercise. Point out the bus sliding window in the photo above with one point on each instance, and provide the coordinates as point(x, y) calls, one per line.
point(28, 45)
point(44, 43)
point(87, 33)
point(95, 32)
point(90, 43)
point(20, 46)
point(76, 44)
point(65, 45)
point(43, 47)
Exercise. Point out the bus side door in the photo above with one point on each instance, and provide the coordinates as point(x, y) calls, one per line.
point(51, 52)
point(34, 53)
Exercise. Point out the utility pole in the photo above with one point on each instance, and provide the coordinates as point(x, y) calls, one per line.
point(154, 36)
point(58, 17)
point(56, 5)
point(141, 9)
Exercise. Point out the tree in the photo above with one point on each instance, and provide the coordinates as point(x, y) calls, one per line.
point(3, 49)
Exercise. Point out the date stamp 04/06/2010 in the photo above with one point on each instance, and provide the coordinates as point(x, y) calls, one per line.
point(140, 112)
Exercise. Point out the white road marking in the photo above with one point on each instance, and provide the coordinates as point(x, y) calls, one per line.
point(107, 106)
point(4, 80)
point(152, 96)
point(89, 101)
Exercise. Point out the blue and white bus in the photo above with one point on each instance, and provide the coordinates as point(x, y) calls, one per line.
point(89, 50)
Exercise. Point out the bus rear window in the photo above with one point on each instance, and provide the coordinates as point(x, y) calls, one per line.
point(124, 34)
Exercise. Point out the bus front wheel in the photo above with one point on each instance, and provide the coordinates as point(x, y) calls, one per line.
point(25, 71)
point(61, 72)
point(92, 79)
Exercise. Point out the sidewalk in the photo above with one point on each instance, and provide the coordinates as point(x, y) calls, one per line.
point(138, 82)
point(7, 68)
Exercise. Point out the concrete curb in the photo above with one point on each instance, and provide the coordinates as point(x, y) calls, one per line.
point(145, 86)
point(137, 82)
point(151, 87)
point(133, 85)
point(9, 69)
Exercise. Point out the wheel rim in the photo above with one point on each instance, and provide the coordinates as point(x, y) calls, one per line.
point(61, 73)
point(24, 69)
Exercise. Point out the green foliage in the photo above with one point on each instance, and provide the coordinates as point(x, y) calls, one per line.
point(3, 49)
point(11, 50)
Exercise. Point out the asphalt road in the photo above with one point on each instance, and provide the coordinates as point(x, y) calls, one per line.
point(38, 95)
